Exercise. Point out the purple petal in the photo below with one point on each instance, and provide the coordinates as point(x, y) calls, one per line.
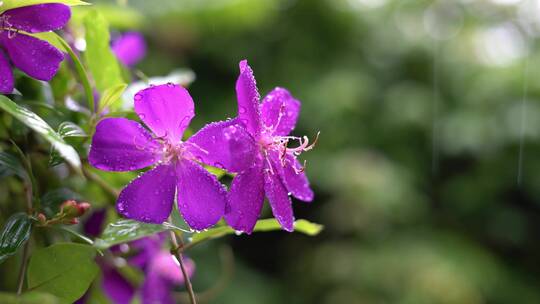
point(279, 199)
point(156, 290)
point(167, 266)
point(279, 111)
point(129, 48)
point(149, 198)
point(93, 226)
point(294, 179)
point(248, 99)
point(116, 287)
point(6, 75)
point(166, 109)
point(146, 249)
point(37, 18)
point(37, 58)
point(120, 144)
point(225, 145)
point(201, 198)
point(246, 198)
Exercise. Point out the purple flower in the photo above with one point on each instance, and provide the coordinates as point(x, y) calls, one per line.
point(129, 48)
point(121, 144)
point(35, 57)
point(275, 170)
point(161, 269)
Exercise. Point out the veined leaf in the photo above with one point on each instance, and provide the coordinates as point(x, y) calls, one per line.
point(34, 122)
point(10, 4)
point(14, 234)
point(10, 165)
point(111, 96)
point(65, 270)
point(99, 57)
point(302, 226)
point(123, 231)
point(69, 129)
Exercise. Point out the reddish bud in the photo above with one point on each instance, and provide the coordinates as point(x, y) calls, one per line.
point(83, 207)
point(41, 218)
point(73, 221)
point(69, 208)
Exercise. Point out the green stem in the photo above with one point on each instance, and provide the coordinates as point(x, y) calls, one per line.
point(187, 281)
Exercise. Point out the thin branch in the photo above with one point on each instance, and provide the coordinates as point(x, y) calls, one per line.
point(24, 265)
point(187, 281)
point(98, 180)
point(26, 250)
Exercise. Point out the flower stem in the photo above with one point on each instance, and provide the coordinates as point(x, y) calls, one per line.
point(187, 281)
point(103, 184)
point(24, 265)
point(26, 251)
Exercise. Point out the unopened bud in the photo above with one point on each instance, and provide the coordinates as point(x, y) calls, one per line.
point(41, 218)
point(73, 221)
point(69, 208)
point(83, 207)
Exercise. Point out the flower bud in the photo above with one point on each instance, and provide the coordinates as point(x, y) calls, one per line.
point(69, 208)
point(42, 219)
point(83, 207)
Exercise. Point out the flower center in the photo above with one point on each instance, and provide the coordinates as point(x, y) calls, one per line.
point(173, 152)
point(280, 144)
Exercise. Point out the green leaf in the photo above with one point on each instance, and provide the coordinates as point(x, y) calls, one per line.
point(66, 129)
point(99, 58)
point(69, 129)
point(32, 297)
point(302, 226)
point(111, 96)
point(10, 4)
point(34, 122)
point(61, 44)
point(123, 231)
point(65, 270)
point(10, 165)
point(15, 233)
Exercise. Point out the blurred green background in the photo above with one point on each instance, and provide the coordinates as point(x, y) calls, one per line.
point(421, 105)
point(426, 174)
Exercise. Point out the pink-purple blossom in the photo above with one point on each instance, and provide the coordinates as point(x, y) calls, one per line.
point(35, 57)
point(120, 144)
point(275, 171)
point(129, 48)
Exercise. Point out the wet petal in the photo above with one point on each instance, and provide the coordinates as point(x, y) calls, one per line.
point(6, 75)
point(225, 145)
point(295, 179)
point(166, 109)
point(38, 18)
point(116, 287)
point(248, 99)
point(201, 198)
point(120, 144)
point(37, 58)
point(279, 111)
point(246, 198)
point(279, 199)
point(149, 198)
point(129, 48)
